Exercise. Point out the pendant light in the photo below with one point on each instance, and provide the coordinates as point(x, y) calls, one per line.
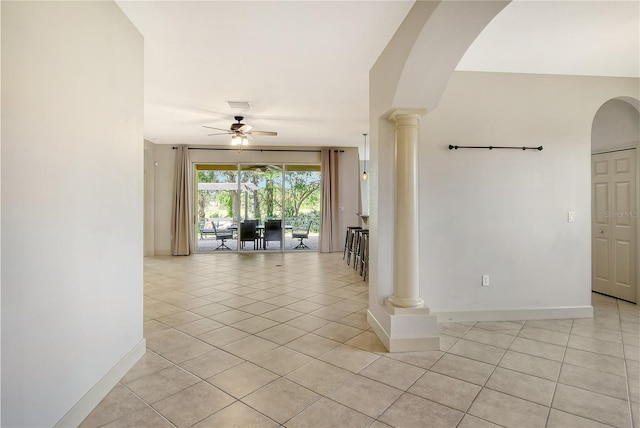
point(365, 176)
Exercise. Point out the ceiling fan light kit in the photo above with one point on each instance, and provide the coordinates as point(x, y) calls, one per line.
point(239, 140)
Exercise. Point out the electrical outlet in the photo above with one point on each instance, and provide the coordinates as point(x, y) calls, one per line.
point(485, 280)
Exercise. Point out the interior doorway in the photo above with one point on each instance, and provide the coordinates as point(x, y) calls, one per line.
point(615, 198)
point(614, 221)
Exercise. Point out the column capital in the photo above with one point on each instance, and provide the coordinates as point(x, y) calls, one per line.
point(404, 113)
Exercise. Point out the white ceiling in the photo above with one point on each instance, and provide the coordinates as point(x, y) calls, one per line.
point(303, 65)
point(594, 38)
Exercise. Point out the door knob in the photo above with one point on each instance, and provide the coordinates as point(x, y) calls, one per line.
point(602, 231)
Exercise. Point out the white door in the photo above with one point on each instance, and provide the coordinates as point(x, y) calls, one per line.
point(614, 222)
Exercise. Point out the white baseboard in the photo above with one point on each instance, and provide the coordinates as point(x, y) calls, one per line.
point(515, 314)
point(378, 329)
point(91, 399)
point(402, 344)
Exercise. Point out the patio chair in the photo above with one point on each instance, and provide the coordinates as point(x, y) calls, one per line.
point(272, 232)
point(222, 235)
point(202, 228)
point(248, 233)
point(301, 235)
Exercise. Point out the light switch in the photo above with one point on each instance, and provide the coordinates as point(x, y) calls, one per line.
point(571, 216)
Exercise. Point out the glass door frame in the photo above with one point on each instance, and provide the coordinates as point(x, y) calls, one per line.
point(249, 167)
point(240, 204)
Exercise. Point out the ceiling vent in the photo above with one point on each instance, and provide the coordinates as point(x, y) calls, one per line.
point(239, 104)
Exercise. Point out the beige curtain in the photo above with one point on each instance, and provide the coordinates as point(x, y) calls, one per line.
point(330, 214)
point(180, 224)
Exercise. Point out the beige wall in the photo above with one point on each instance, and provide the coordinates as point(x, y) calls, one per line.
point(72, 207)
point(149, 198)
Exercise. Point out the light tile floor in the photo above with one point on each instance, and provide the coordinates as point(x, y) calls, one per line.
point(268, 340)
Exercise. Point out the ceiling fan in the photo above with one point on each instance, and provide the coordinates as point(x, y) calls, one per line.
point(240, 132)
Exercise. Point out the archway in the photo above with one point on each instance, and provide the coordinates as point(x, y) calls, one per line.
point(615, 184)
point(407, 80)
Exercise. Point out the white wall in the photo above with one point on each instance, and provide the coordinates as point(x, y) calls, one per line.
point(349, 191)
point(0, 220)
point(163, 198)
point(149, 198)
point(164, 185)
point(72, 213)
point(503, 212)
point(364, 188)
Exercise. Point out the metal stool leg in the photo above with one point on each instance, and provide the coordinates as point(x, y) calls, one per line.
point(363, 253)
point(348, 248)
point(352, 240)
point(356, 245)
point(362, 236)
point(365, 258)
point(358, 248)
point(346, 240)
point(346, 243)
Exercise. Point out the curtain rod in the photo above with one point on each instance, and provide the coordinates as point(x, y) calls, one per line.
point(451, 147)
point(256, 150)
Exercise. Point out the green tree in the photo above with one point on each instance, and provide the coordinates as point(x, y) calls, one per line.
point(303, 189)
point(228, 197)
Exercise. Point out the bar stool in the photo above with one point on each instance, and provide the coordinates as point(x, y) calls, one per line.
point(359, 247)
point(364, 267)
point(348, 242)
point(353, 245)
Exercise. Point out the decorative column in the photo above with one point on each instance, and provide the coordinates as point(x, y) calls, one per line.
point(404, 323)
point(406, 286)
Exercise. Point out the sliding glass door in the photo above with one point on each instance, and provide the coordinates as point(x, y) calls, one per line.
point(257, 207)
point(216, 206)
point(302, 206)
point(261, 204)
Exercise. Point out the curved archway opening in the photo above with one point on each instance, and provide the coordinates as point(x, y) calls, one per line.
point(616, 125)
point(615, 198)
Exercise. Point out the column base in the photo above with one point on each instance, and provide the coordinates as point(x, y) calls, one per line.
point(410, 329)
point(391, 306)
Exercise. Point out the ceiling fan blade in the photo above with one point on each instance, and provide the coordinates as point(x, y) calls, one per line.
point(218, 129)
point(219, 133)
point(245, 128)
point(271, 133)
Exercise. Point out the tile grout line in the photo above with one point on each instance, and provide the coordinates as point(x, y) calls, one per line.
point(484, 385)
point(626, 372)
point(555, 386)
